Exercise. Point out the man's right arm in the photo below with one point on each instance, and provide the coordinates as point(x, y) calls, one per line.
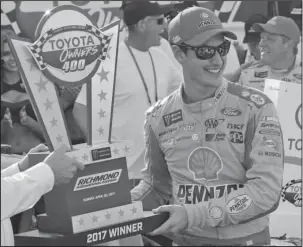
point(22, 190)
point(155, 188)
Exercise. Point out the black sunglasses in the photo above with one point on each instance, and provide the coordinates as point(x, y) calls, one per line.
point(205, 52)
point(159, 21)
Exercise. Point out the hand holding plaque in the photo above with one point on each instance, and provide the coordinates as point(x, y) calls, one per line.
point(63, 167)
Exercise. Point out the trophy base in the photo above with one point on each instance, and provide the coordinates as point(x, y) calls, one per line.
point(96, 236)
point(48, 224)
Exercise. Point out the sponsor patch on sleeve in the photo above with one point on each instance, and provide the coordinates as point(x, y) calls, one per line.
point(267, 125)
point(261, 74)
point(215, 212)
point(172, 118)
point(269, 118)
point(255, 96)
point(270, 132)
point(238, 204)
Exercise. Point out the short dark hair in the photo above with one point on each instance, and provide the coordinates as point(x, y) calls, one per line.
point(136, 10)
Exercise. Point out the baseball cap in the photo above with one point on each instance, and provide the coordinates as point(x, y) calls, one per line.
point(196, 25)
point(250, 34)
point(280, 25)
point(136, 10)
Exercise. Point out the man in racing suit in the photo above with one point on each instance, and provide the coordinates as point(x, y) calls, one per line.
point(218, 161)
point(280, 39)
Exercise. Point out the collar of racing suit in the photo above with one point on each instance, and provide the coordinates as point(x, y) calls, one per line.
point(288, 70)
point(205, 104)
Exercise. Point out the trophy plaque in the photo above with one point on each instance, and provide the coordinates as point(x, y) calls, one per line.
point(70, 51)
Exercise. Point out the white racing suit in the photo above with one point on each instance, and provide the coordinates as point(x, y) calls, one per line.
point(255, 75)
point(221, 158)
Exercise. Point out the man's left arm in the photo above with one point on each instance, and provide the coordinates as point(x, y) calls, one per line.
point(260, 195)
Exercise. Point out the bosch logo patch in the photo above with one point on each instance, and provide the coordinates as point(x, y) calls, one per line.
point(269, 154)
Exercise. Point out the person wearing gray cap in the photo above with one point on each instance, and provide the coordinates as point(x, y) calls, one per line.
point(209, 150)
point(280, 38)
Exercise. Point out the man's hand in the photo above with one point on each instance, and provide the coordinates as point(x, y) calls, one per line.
point(63, 167)
point(176, 222)
point(24, 163)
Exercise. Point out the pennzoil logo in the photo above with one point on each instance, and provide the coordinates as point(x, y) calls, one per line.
point(239, 204)
point(98, 179)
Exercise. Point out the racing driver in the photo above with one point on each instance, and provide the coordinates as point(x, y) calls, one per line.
point(280, 60)
point(213, 149)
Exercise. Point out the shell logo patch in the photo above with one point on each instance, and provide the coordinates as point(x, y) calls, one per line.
point(204, 163)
